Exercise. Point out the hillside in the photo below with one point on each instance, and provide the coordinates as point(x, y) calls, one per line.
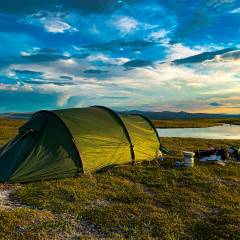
point(147, 201)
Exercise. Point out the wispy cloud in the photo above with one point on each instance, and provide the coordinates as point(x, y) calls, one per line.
point(106, 59)
point(126, 24)
point(236, 10)
point(57, 26)
point(162, 33)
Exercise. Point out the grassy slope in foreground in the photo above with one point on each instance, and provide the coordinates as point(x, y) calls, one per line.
point(138, 202)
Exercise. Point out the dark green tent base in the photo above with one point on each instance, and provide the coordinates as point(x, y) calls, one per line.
point(70, 142)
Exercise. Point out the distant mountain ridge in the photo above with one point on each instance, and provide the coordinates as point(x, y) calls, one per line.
point(16, 115)
point(164, 115)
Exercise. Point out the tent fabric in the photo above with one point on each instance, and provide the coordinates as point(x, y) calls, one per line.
point(99, 138)
point(52, 156)
point(70, 142)
point(144, 138)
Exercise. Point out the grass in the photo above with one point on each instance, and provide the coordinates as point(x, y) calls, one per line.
point(147, 201)
point(8, 128)
point(195, 123)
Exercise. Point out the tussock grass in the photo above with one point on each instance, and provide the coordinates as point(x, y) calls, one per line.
point(146, 201)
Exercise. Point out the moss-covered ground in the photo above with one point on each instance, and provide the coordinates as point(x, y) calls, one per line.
point(146, 201)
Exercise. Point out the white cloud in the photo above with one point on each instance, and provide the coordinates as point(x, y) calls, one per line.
point(16, 87)
point(236, 10)
point(25, 54)
point(57, 26)
point(158, 34)
point(176, 87)
point(54, 22)
point(233, 56)
point(126, 24)
point(106, 59)
point(68, 62)
point(178, 51)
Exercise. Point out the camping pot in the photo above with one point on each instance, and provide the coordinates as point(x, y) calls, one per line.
point(188, 158)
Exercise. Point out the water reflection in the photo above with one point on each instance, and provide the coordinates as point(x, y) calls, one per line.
point(219, 132)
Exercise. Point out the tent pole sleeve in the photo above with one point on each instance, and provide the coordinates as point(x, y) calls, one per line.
point(119, 120)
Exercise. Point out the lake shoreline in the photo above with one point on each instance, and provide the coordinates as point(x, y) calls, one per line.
point(194, 123)
point(222, 124)
point(224, 131)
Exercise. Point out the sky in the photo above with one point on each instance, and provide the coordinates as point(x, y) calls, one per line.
point(155, 55)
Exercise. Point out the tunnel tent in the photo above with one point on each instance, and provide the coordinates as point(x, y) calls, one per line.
point(70, 142)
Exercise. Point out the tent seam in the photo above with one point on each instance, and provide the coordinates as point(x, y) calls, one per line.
point(119, 120)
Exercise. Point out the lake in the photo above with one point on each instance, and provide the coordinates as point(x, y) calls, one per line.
point(225, 131)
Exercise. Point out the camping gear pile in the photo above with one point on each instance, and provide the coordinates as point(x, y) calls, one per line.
point(234, 153)
point(70, 142)
point(218, 155)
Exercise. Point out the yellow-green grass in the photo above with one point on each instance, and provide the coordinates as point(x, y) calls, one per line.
point(8, 128)
point(194, 123)
point(146, 201)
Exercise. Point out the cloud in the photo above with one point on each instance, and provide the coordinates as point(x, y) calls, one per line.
point(43, 55)
point(120, 44)
point(205, 56)
point(22, 75)
point(47, 82)
point(57, 26)
point(66, 77)
point(116, 97)
point(83, 6)
point(51, 22)
point(176, 87)
point(77, 53)
point(228, 56)
point(204, 15)
point(95, 71)
point(179, 51)
point(27, 72)
point(162, 33)
point(126, 24)
point(103, 58)
point(16, 87)
point(236, 10)
point(215, 104)
point(137, 63)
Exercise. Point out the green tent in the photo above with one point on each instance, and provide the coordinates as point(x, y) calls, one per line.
point(70, 142)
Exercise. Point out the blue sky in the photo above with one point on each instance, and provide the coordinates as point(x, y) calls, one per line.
point(148, 55)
